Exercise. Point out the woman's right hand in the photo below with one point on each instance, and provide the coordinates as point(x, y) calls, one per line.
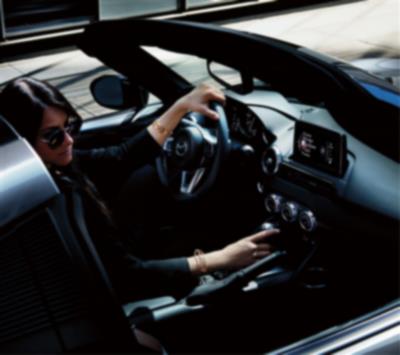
point(234, 256)
point(246, 250)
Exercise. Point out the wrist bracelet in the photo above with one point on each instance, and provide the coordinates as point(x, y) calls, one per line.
point(200, 261)
point(160, 128)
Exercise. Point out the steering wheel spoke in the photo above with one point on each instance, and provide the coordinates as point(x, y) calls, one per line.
point(189, 180)
point(168, 146)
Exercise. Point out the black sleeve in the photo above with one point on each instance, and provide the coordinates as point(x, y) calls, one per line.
point(139, 150)
point(134, 278)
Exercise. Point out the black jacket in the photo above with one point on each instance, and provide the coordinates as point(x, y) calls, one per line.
point(132, 277)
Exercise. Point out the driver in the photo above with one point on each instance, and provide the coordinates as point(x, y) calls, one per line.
point(41, 114)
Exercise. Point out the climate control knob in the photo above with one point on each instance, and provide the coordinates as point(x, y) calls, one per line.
point(307, 221)
point(273, 203)
point(289, 212)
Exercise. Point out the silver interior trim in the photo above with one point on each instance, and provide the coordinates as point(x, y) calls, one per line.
point(348, 335)
point(366, 331)
point(387, 342)
point(24, 180)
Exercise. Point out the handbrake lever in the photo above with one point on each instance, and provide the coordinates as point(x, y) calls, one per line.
point(236, 281)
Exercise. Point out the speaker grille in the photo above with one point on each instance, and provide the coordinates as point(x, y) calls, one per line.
point(39, 287)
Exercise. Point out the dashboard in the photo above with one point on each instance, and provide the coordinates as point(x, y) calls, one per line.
point(309, 167)
point(338, 181)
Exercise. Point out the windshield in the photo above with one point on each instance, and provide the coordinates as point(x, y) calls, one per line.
point(194, 69)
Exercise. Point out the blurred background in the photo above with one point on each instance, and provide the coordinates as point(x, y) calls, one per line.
point(37, 36)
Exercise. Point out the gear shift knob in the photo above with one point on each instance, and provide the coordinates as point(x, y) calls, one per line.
point(268, 226)
point(275, 240)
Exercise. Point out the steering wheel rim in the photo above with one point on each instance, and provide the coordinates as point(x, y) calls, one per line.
point(194, 154)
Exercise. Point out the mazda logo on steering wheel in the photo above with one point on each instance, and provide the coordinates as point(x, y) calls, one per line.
point(181, 148)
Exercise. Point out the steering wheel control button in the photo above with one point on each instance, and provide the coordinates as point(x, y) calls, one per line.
point(289, 212)
point(271, 160)
point(307, 221)
point(273, 203)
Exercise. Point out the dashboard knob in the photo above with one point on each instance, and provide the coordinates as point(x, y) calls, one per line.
point(307, 221)
point(270, 161)
point(289, 212)
point(273, 203)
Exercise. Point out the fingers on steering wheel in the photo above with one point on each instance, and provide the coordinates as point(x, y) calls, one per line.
point(217, 96)
point(210, 113)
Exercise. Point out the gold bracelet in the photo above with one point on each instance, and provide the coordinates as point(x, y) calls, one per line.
point(160, 128)
point(200, 261)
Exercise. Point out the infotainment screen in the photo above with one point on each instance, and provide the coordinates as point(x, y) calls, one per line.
point(320, 148)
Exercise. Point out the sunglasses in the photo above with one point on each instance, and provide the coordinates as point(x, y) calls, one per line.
point(55, 136)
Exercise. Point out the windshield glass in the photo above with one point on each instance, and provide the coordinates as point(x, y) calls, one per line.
point(190, 67)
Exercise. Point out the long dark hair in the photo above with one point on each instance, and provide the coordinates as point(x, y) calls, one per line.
point(23, 101)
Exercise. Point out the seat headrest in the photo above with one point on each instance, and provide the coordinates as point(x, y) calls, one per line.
point(25, 181)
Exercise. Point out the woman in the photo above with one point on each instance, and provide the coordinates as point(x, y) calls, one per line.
point(41, 114)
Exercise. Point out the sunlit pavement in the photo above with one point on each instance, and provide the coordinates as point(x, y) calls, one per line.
point(366, 33)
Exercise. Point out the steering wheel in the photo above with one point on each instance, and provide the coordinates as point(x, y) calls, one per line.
point(192, 156)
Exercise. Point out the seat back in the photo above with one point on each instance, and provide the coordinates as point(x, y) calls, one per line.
point(55, 295)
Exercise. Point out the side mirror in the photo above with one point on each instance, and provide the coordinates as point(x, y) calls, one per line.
point(117, 92)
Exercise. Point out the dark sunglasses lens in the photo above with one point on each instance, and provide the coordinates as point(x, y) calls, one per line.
point(55, 138)
point(73, 127)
